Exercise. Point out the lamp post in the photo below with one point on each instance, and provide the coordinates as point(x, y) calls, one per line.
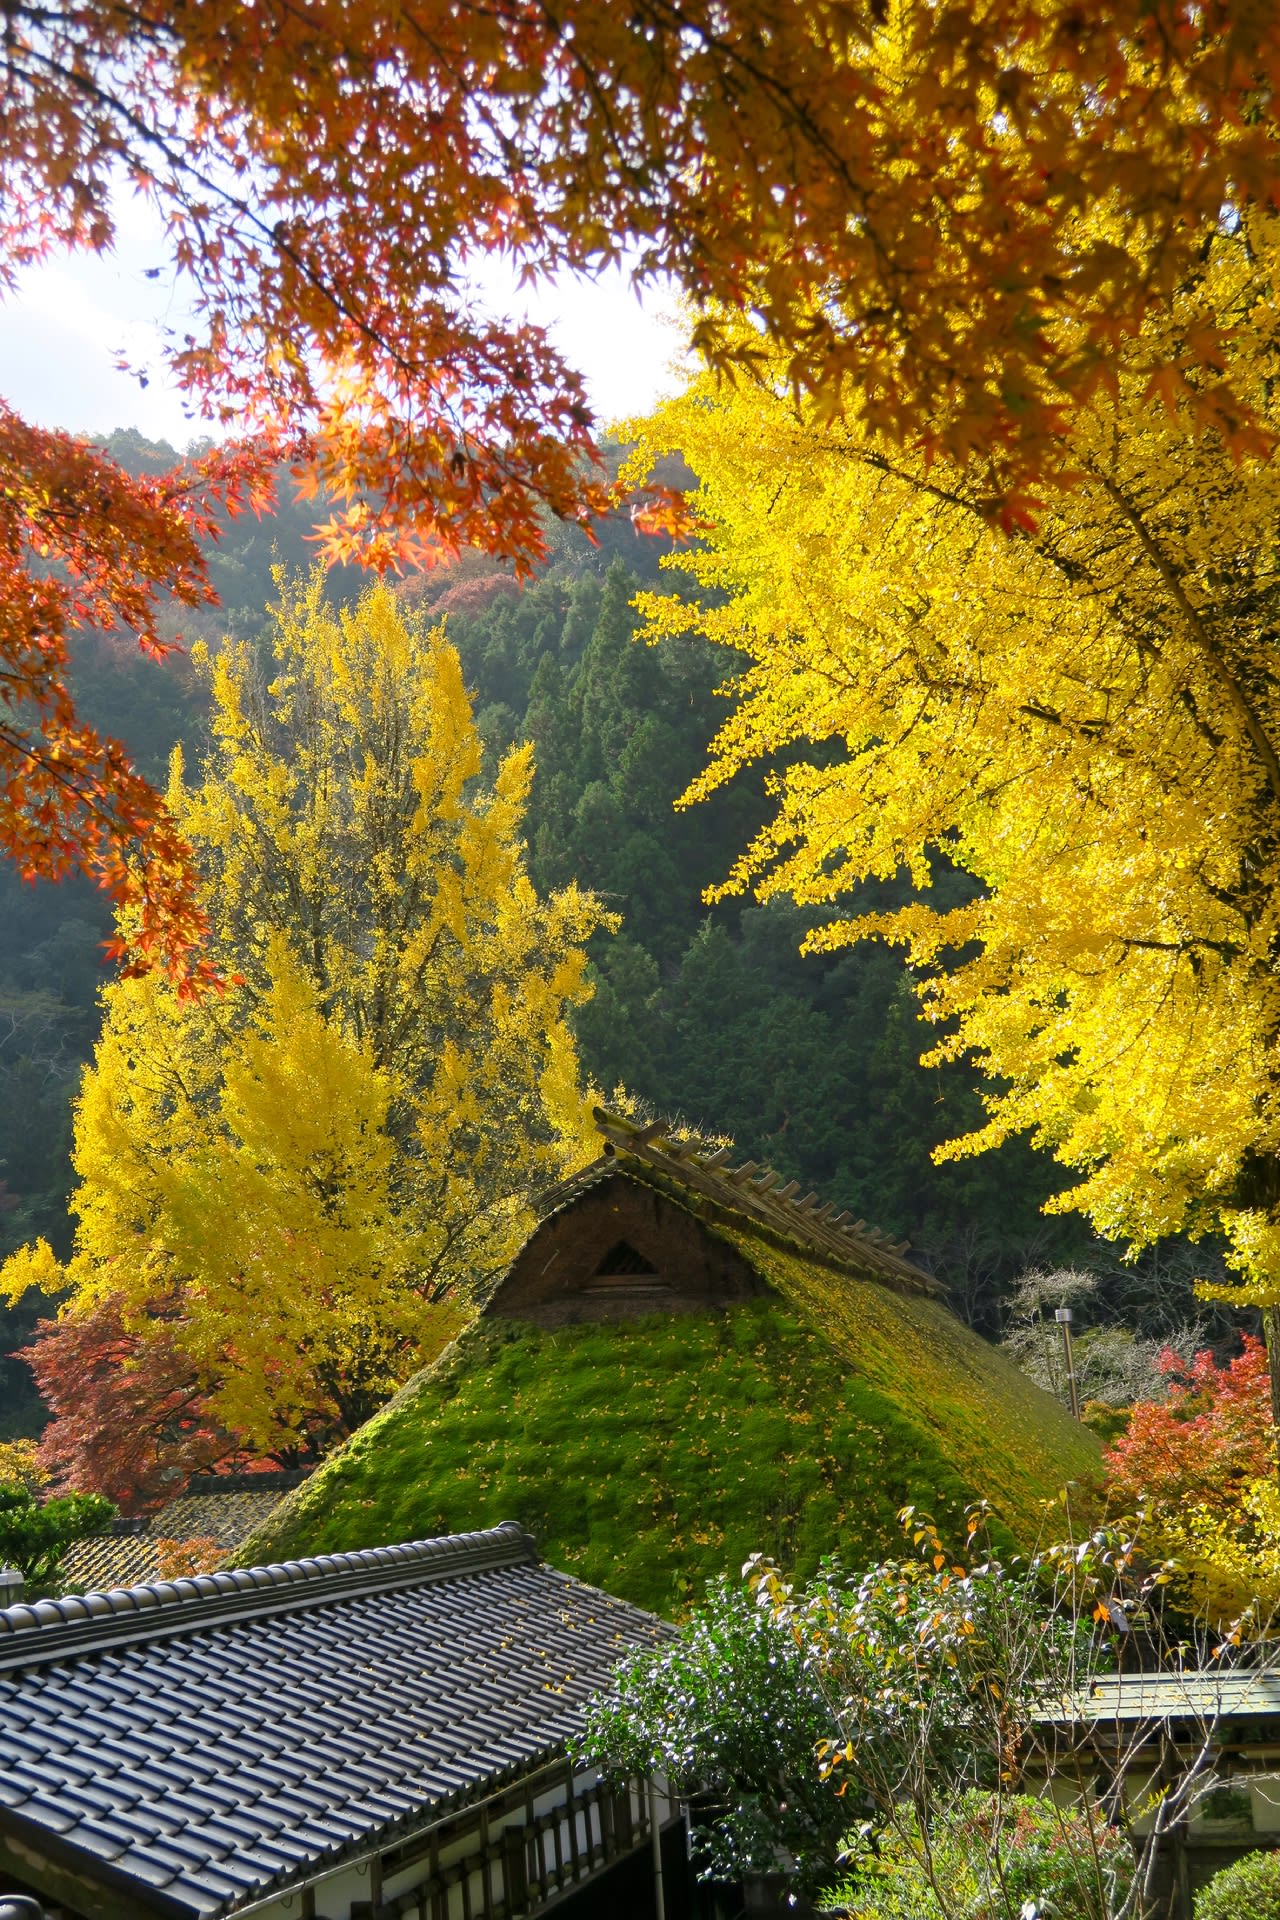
point(1063, 1317)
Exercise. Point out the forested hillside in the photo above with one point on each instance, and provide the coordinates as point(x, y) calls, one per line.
point(809, 1063)
point(708, 1012)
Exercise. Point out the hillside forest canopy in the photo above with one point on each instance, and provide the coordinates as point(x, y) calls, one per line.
point(810, 1064)
point(949, 219)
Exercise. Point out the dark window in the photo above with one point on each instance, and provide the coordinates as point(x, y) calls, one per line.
point(623, 1258)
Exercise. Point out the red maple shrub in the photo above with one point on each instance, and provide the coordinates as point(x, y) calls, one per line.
point(477, 594)
point(1206, 1441)
point(128, 1416)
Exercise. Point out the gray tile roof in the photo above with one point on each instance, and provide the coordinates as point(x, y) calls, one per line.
point(1198, 1693)
point(213, 1523)
point(209, 1741)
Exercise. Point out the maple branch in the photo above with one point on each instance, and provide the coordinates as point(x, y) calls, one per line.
point(182, 170)
point(75, 782)
point(180, 179)
point(729, 55)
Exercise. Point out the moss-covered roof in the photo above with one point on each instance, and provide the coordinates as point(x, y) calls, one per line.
point(649, 1454)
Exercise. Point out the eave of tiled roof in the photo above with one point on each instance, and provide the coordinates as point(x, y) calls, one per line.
point(1197, 1694)
point(52, 1630)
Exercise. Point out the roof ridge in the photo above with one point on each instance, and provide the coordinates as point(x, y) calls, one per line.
point(267, 1481)
point(37, 1631)
point(759, 1196)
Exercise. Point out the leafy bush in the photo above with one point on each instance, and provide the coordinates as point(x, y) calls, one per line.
point(784, 1714)
point(732, 1711)
point(1247, 1890)
point(937, 1666)
point(989, 1857)
point(20, 1466)
point(35, 1538)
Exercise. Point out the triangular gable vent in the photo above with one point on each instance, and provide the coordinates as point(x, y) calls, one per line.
point(622, 1258)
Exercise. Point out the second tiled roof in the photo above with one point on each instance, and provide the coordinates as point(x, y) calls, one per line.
point(220, 1519)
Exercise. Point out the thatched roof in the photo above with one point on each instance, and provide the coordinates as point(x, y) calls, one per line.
point(796, 1383)
point(706, 1182)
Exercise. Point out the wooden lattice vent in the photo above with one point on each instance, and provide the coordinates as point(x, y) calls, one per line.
point(623, 1270)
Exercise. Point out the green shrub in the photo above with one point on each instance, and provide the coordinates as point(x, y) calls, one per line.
point(1247, 1890)
point(991, 1858)
point(35, 1537)
point(732, 1710)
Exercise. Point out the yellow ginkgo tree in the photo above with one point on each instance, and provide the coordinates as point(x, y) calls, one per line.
point(302, 1180)
point(1083, 717)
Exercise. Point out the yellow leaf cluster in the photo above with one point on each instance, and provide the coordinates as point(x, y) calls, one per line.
point(298, 1171)
point(1229, 1561)
point(1081, 717)
point(20, 1466)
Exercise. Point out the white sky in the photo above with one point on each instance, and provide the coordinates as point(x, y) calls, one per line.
point(61, 332)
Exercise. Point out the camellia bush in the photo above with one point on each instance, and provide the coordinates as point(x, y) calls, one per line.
point(785, 1717)
point(732, 1710)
